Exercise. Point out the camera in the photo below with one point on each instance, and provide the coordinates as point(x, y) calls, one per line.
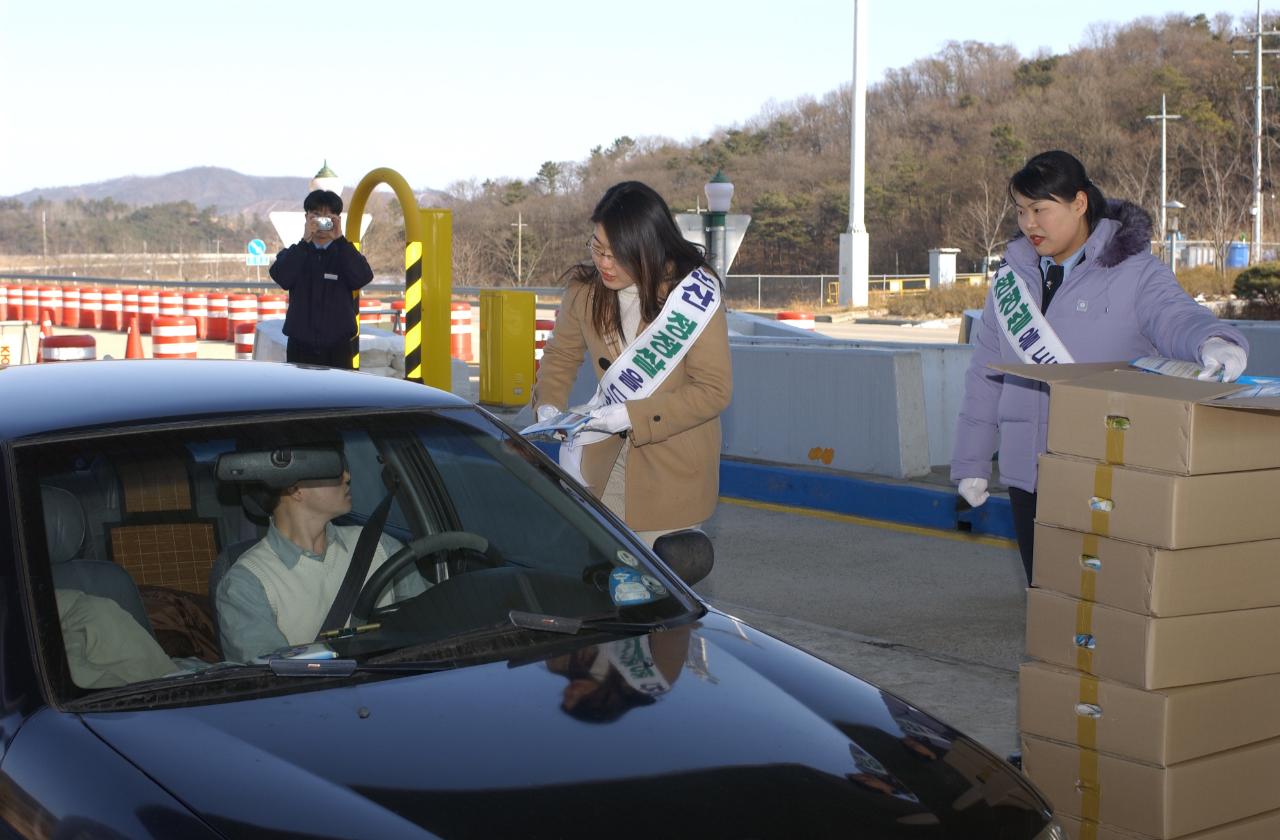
point(324, 223)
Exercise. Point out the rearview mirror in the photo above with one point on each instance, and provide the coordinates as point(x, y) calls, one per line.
point(280, 468)
point(688, 553)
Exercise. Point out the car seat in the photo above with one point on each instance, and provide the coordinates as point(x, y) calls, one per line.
point(65, 529)
point(228, 556)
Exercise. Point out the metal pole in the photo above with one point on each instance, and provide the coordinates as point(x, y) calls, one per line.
point(1164, 116)
point(1256, 249)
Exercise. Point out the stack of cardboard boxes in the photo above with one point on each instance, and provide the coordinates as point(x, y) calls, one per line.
point(1153, 707)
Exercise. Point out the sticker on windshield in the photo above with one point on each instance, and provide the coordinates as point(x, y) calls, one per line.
point(626, 586)
point(654, 585)
point(628, 558)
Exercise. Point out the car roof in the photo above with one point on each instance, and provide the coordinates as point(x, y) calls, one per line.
point(65, 396)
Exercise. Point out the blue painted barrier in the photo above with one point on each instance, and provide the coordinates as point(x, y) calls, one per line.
point(907, 504)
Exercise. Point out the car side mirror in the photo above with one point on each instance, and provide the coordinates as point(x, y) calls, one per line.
point(688, 553)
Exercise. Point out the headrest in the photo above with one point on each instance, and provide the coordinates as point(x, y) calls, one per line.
point(64, 523)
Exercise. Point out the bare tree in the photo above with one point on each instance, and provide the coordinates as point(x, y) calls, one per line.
point(981, 219)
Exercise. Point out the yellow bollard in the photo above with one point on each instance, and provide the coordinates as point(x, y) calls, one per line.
point(428, 241)
point(506, 346)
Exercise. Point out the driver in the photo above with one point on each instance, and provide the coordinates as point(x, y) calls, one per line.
point(280, 590)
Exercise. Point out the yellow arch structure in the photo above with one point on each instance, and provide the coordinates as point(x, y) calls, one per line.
point(428, 278)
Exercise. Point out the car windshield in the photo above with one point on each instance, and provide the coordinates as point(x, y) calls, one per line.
point(183, 554)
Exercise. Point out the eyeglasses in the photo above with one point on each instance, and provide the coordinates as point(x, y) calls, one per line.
point(597, 253)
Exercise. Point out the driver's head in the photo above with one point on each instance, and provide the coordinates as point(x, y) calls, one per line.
point(317, 497)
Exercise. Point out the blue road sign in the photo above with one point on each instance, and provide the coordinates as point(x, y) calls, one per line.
point(257, 253)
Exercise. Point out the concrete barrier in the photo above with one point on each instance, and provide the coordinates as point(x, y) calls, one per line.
point(849, 409)
point(1264, 346)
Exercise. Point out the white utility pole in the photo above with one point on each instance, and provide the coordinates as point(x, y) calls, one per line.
point(855, 245)
point(519, 225)
point(1164, 116)
point(1255, 247)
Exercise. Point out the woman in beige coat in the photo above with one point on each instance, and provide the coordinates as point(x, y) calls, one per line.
point(648, 301)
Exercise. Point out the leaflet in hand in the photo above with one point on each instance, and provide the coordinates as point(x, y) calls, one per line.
point(565, 424)
point(1255, 386)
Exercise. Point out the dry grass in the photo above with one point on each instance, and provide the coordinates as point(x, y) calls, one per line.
point(1208, 281)
point(934, 303)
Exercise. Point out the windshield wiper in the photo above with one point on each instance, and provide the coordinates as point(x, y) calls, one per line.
point(495, 639)
point(574, 626)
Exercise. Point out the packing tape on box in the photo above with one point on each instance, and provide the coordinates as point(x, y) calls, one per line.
point(1088, 830)
point(1100, 505)
point(1090, 564)
point(1117, 425)
point(1089, 786)
point(1085, 642)
point(1087, 713)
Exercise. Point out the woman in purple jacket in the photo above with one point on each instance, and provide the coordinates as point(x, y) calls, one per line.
point(1084, 288)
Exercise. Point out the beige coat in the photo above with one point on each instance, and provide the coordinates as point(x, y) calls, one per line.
point(673, 470)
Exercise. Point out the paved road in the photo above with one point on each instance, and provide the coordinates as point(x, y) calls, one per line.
point(936, 618)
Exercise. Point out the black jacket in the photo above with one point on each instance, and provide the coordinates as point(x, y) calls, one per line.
point(320, 282)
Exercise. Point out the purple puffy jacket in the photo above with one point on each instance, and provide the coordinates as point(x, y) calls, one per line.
point(1119, 303)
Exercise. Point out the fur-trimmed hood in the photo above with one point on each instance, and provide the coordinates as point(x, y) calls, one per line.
point(1123, 232)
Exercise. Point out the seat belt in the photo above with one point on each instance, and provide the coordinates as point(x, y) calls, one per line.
point(345, 600)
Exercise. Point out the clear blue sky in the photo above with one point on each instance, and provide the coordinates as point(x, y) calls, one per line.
point(447, 91)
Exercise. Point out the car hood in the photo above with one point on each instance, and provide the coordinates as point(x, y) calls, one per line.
point(729, 733)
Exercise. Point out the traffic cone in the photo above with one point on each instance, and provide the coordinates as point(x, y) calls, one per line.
point(133, 348)
point(46, 331)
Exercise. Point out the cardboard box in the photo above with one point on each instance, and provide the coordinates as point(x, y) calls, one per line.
point(1160, 509)
point(1161, 727)
point(1156, 581)
point(1160, 802)
point(1113, 413)
point(1151, 652)
point(1262, 827)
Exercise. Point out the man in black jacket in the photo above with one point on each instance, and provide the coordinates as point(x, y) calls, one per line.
point(320, 273)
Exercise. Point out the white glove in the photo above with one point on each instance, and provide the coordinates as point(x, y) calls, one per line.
point(974, 491)
point(610, 418)
point(546, 412)
point(1222, 359)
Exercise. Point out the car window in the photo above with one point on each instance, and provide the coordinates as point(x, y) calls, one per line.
point(167, 554)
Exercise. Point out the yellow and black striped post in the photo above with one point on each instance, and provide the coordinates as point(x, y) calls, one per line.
point(428, 236)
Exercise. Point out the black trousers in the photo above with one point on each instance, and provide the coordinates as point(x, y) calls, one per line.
point(332, 355)
point(1024, 524)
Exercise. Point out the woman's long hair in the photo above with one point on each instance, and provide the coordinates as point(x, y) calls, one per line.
point(1059, 175)
point(647, 244)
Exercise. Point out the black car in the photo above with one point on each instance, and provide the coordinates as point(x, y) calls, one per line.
point(518, 663)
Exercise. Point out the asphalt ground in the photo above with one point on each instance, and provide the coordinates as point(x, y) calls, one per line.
point(936, 617)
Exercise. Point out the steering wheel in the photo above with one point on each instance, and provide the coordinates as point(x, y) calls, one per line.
point(413, 551)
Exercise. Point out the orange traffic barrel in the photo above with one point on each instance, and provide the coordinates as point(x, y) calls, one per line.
point(148, 308)
point(113, 310)
point(173, 337)
point(171, 304)
point(129, 306)
point(801, 320)
point(70, 307)
point(49, 300)
point(241, 309)
point(90, 308)
point(460, 331)
point(272, 307)
point(244, 339)
point(196, 305)
point(370, 310)
point(68, 348)
point(30, 299)
point(542, 329)
point(216, 330)
point(4, 302)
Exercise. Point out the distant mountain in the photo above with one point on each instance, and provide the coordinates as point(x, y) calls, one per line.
point(203, 186)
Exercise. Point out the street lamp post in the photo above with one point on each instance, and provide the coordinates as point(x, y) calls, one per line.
point(1173, 208)
point(719, 193)
point(1164, 116)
